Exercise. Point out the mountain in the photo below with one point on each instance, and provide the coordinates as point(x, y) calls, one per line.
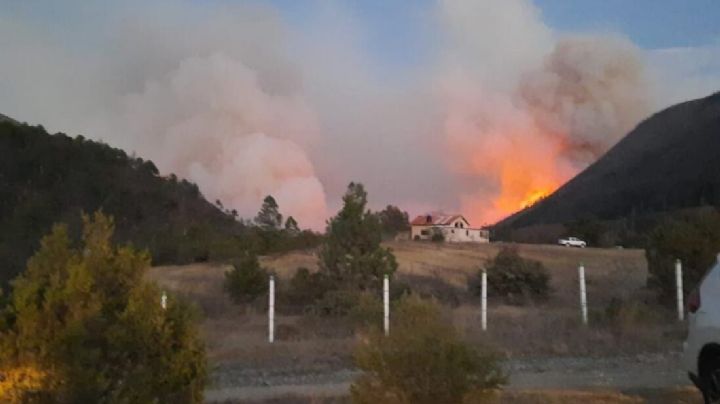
point(5, 118)
point(46, 179)
point(670, 161)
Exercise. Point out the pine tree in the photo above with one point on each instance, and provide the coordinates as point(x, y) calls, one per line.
point(351, 254)
point(269, 216)
point(291, 225)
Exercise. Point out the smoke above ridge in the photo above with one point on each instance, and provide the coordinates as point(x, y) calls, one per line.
point(235, 98)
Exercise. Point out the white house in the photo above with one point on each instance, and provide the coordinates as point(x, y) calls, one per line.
point(455, 228)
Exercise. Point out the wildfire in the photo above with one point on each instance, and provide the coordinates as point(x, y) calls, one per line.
point(534, 196)
point(526, 169)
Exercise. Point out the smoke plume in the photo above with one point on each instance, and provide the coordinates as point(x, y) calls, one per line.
point(233, 96)
point(538, 111)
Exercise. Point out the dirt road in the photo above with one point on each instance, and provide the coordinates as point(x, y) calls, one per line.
point(642, 372)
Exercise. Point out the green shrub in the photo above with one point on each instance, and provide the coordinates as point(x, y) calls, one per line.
point(337, 302)
point(694, 238)
point(247, 280)
point(83, 326)
point(423, 360)
point(437, 236)
point(624, 315)
point(303, 290)
point(514, 278)
point(367, 311)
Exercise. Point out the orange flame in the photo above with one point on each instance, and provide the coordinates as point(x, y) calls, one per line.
point(534, 197)
point(525, 167)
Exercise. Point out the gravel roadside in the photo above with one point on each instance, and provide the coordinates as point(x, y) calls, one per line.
point(651, 371)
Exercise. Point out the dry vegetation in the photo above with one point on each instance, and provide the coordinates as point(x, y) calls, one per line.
point(238, 334)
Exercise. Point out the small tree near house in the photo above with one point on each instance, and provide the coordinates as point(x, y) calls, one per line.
point(393, 220)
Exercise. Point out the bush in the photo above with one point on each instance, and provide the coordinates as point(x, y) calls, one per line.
point(247, 280)
point(83, 326)
point(694, 238)
point(336, 303)
point(625, 315)
point(422, 360)
point(367, 311)
point(437, 236)
point(303, 290)
point(514, 278)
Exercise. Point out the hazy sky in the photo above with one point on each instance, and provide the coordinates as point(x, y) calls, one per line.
point(427, 102)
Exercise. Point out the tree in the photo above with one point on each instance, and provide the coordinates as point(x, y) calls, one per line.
point(393, 220)
point(291, 225)
point(515, 278)
point(269, 216)
point(83, 325)
point(351, 254)
point(423, 360)
point(694, 239)
point(247, 280)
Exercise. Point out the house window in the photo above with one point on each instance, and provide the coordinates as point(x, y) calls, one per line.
point(467, 232)
point(424, 232)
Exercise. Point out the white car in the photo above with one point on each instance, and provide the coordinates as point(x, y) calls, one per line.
point(701, 358)
point(572, 242)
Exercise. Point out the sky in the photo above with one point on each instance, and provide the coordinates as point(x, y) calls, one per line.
point(397, 31)
point(471, 106)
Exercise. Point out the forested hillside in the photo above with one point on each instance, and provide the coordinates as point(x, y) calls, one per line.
point(45, 179)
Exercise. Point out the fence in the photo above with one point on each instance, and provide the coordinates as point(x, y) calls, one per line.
point(582, 292)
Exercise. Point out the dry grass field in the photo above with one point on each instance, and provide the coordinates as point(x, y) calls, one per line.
point(548, 328)
point(313, 351)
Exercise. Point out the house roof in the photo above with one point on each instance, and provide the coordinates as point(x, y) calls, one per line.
point(437, 219)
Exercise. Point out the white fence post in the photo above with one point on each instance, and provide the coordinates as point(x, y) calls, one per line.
point(386, 304)
point(679, 284)
point(483, 301)
point(583, 297)
point(271, 310)
point(163, 300)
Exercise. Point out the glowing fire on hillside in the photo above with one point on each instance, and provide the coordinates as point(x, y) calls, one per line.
point(518, 166)
point(534, 196)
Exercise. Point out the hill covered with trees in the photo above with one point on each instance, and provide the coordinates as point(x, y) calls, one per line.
point(46, 179)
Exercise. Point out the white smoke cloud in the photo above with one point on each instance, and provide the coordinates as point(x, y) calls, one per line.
point(212, 122)
point(206, 92)
point(526, 108)
point(591, 90)
point(233, 97)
